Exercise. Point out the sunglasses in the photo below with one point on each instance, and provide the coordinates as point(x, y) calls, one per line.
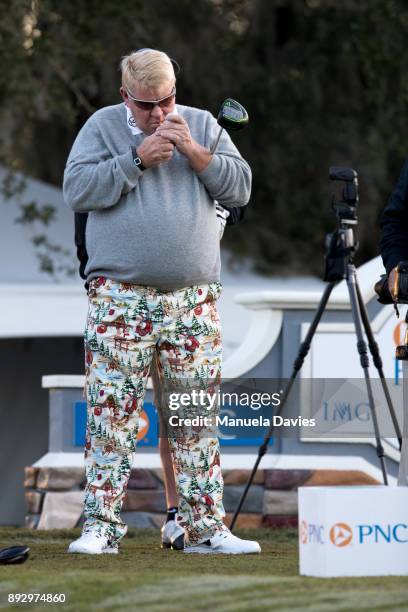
point(149, 105)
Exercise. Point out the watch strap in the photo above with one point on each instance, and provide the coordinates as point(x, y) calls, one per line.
point(136, 159)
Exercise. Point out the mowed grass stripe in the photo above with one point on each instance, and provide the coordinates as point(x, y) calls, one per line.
point(203, 590)
point(143, 576)
point(250, 593)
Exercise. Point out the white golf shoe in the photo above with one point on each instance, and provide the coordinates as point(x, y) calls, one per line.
point(172, 536)
point(92, 544)
point(225, 543)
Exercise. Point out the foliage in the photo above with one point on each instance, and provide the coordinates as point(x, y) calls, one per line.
point(325, 83)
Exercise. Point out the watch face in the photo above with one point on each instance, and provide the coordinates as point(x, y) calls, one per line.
point(136, 159)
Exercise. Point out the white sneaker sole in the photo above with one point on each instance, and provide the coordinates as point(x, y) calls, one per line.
point(86, 551)
point(207, 550)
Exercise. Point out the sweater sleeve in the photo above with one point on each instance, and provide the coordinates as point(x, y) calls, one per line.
point(95, 179)
point(227, 177)
point(394, 224)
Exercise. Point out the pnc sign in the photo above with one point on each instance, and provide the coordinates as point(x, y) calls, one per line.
point(341, 534)
point(353, 531)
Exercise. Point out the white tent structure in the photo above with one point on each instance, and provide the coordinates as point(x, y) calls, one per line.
point(39, 333)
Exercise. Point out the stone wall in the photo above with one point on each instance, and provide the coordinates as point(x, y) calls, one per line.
point(54, 496)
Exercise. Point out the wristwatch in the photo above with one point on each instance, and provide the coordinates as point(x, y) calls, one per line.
point(136, 159)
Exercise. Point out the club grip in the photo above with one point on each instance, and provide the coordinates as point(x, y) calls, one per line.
point(342, 173)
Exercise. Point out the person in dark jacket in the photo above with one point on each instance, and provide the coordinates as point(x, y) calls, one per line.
point(393, 249)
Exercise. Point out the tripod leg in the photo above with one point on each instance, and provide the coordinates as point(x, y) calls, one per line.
point(362, 350)
point(303, 351)
point(375, 352)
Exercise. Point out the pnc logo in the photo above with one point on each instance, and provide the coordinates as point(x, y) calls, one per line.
point(303, 532)
point(341, 534)
point(311, 533)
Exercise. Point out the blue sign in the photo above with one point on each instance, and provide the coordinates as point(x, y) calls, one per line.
point(149, 427)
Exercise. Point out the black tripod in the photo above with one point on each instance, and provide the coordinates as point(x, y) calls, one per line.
point(339, 257)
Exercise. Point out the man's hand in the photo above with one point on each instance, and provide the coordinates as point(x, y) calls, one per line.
point(391, 283)
point(155, 150)
point(176, 130)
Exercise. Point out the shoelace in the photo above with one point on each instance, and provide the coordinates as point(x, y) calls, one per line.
point(208, 542)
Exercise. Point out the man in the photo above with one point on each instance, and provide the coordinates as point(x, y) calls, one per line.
point(153, 272)
point(394, 248)
point(172, 535)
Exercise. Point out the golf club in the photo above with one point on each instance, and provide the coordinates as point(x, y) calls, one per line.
point(232, 116)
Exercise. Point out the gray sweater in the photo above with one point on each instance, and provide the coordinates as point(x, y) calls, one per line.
point(157, 227)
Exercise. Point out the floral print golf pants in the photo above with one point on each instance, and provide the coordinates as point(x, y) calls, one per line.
point(127, 325)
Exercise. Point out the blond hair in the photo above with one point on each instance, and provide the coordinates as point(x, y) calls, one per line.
point(148, 68)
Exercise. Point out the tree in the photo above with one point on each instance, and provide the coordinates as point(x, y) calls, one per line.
point(193, 487)
point(188, 298)
point(130, 441)
point(158, 313)
point(181, 329)
point(206, 466)
point(141, 307)
point(91, 504)
point(124, 467)
point(140, 389)
point(323, 81)
point(196, 327)
point(93, 343)
point(92, 425)
point(205, 329)
point(128, 387)
point(208, 486)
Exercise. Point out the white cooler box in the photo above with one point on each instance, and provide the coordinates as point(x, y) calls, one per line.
point(353, 531)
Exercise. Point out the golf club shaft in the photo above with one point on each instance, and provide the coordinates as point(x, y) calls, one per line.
point(215, 145)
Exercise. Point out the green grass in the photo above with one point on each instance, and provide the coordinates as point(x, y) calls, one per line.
point(144, 577)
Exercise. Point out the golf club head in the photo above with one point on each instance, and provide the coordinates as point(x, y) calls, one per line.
point(232, 115)
point(14, 554)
